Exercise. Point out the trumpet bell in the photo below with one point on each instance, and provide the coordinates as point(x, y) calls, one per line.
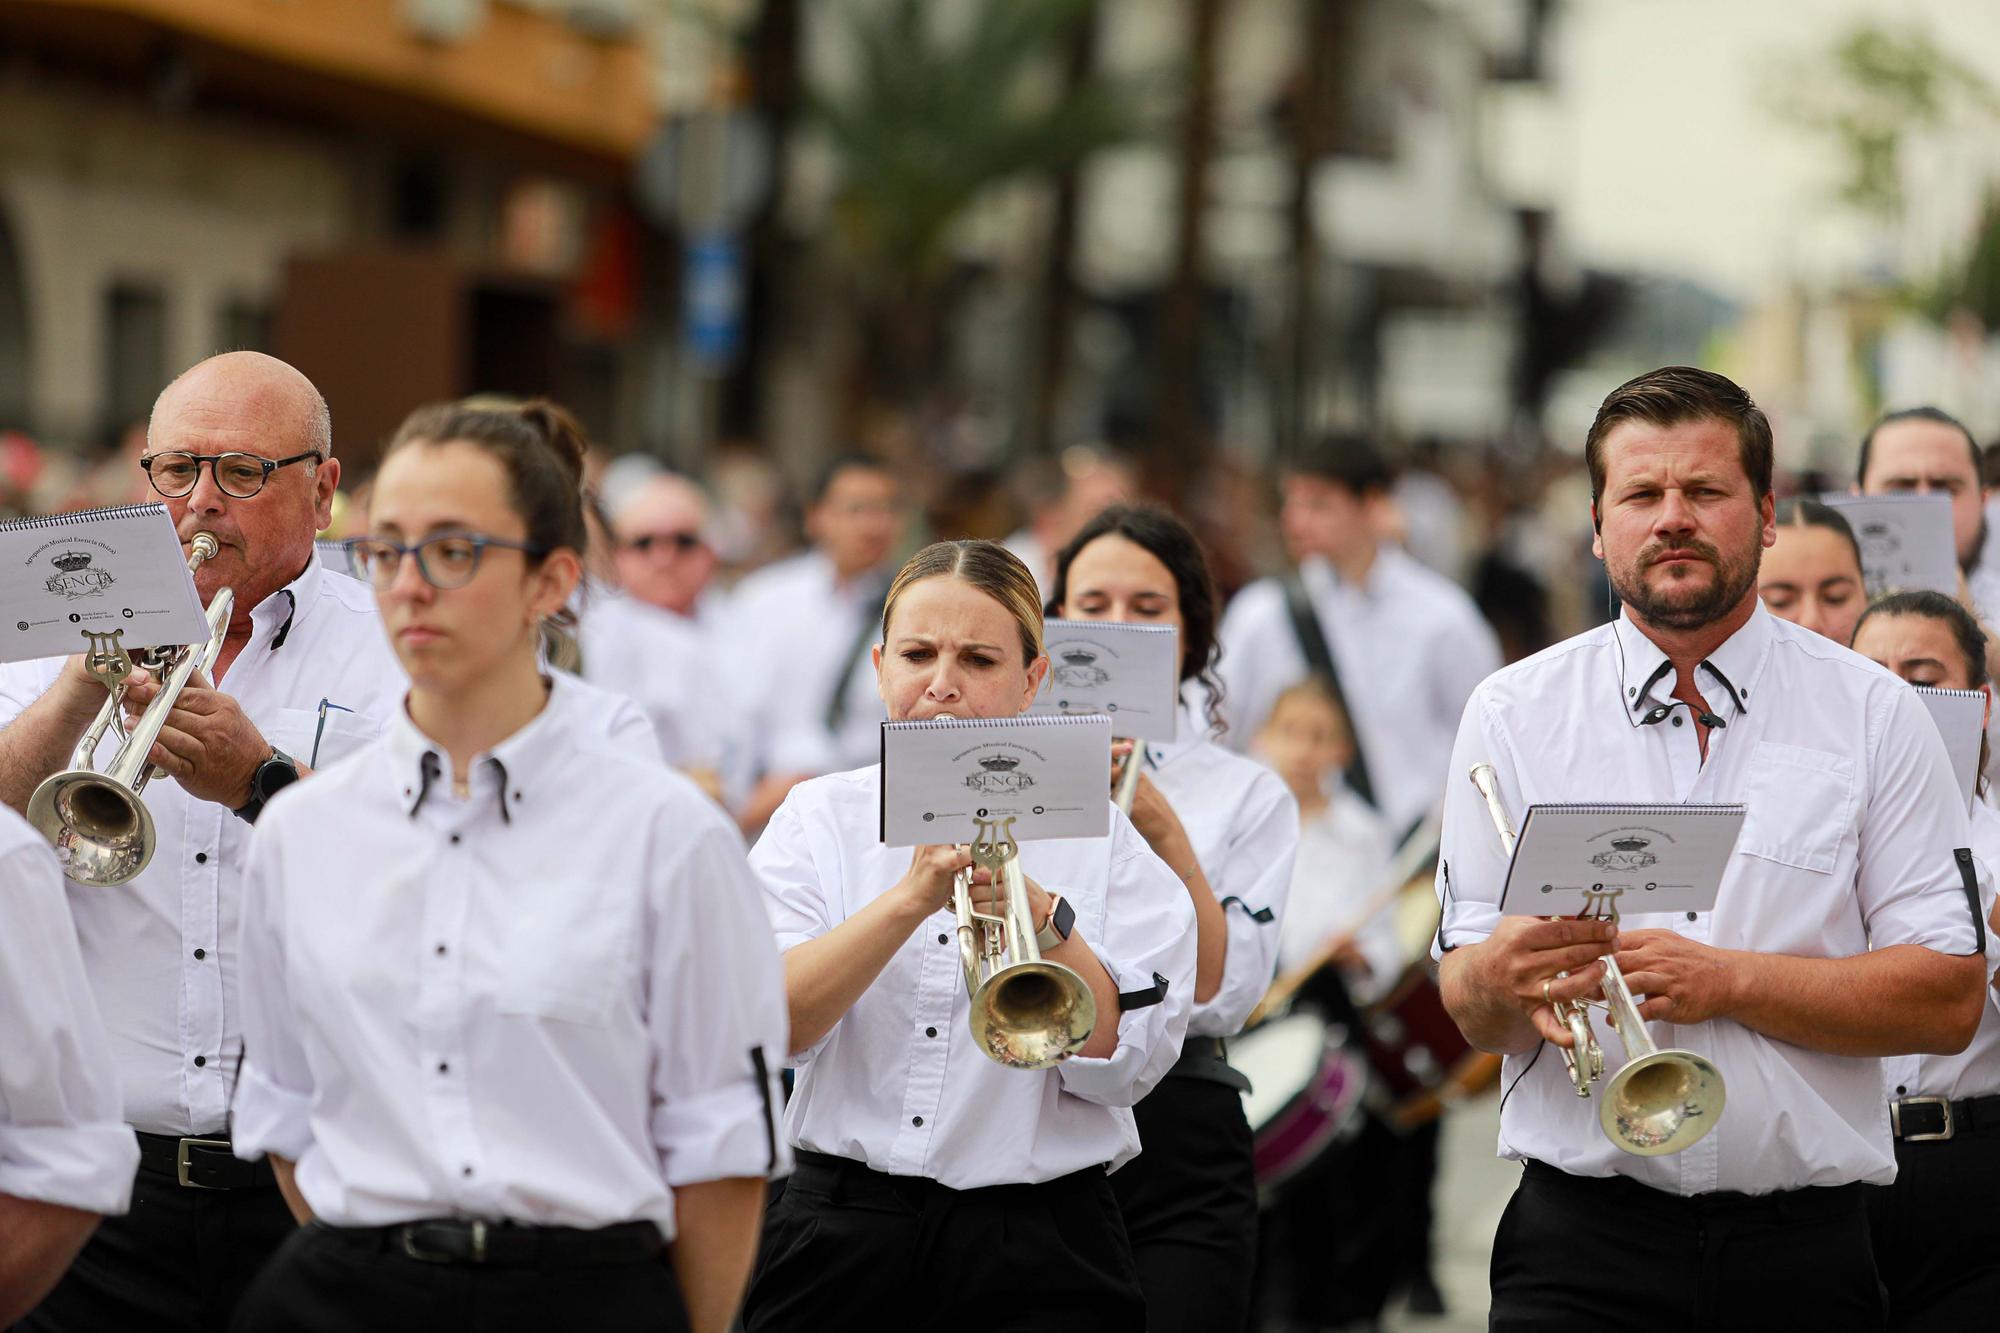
point(1662, 1102)
point(101, 830)
point(1032, 1015)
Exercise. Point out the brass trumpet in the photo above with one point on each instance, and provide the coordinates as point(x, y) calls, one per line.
point(99, 827)
point(1125, 787)
point(1027, 1013)
point(1660, 1101)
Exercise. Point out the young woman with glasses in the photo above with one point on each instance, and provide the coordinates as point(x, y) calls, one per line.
point(1229, 829)
point(512, 1012)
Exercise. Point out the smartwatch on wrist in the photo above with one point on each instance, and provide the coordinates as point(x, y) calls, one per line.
point(272, 776)
point(1062, 920)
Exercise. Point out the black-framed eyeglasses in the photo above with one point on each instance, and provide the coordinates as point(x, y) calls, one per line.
point(679, 542)
point(447, 560)
point(239, 475)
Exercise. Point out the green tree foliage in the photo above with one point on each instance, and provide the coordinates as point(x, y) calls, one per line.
point(1869, 92)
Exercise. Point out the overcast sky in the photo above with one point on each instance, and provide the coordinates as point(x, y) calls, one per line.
point(1663, 153)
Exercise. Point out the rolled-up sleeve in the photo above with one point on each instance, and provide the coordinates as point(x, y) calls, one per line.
point(1472, 864)
point(717, 1000)
point(1252, 882)
point(1909, 881)
point(63, 1139)
point(1148, 948)
point(272, 1110)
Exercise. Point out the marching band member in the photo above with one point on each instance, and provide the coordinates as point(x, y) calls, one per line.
point(806, 702)
point(936, 1188)
point(1403, 645)
point(66, 1155)
point(240, 446)
point(500, 1067)
point(1811, 576)
point(1344, 847)
point(1227, 826)
point(1944, 1110)
point(1841, 934)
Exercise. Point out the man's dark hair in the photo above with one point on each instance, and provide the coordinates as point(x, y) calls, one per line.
point(1673, 396)
point(1346, 460)
point(840, 463)
point(1936, 415)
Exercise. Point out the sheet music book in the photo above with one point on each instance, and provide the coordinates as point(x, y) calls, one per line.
point(1961, 719)
point(334, 555)
point(1130, 672)
point(97, 570)
point(1575, 859)
point(1052, 774)
point(1906, 541)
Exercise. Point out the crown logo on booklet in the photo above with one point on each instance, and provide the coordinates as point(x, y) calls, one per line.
point(71, 561)
point(999, 763)
point(1628, 843)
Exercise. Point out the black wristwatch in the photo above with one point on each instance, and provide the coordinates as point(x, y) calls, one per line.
point(1062, 920)
point(272, 776)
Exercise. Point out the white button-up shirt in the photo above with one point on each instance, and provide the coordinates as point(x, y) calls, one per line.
point(1409, 646)
point(795, 635)
point(550, 1001)
point(63, 1138)
point(318, 679)
point(1345, 852)
point(898, 1083)
point(1974, 1071)
point(663, 664)
point(1854, 817)
point(1244, 827)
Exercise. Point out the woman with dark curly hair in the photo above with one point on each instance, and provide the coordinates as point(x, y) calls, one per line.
point(1229, 828)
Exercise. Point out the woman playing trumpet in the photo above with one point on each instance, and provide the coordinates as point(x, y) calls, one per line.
point(934, 1186)
point(1229, 829)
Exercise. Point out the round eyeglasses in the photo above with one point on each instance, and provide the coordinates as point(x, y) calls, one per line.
point(446, 561)
point(239, 475)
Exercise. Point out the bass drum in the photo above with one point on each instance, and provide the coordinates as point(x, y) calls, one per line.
point(1416, 1053)
point(1306, 1089)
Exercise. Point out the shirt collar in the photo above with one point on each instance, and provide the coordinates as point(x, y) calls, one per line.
point(284, 611)
point(1725, 677)
point(509, 774)
point(1192, 730)
point(1320, 573)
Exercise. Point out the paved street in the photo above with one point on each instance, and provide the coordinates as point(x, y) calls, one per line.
point(1473, 1189)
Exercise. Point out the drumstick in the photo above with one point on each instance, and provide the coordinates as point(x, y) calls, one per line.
point(1421, 846)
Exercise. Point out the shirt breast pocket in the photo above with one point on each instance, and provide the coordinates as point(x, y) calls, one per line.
point(1800, 804)
point(300, 734)
point(565, 955)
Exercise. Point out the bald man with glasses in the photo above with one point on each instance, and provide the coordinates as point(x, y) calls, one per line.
point(241, 446)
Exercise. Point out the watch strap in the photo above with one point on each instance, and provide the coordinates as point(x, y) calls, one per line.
point(1062, 920)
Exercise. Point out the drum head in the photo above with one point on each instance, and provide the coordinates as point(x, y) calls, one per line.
point(1280, 1058)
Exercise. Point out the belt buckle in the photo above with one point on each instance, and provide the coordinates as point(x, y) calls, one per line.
point(405, 1237)
point(1944, 1107)
point(181, 1161)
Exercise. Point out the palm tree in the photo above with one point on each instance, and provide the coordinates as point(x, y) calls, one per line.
point(933, 117)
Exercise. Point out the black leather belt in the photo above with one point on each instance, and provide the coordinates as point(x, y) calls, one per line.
point(461, 1240)
point(1935, 1119)
point(1207, 1058)
point(201, 1163)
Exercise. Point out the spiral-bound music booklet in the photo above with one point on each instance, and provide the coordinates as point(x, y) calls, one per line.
point(96, 570)
point(1573, 860)
point(1905, 541)
point(1961, 719)
point(1129, 672)
point(1052, 774)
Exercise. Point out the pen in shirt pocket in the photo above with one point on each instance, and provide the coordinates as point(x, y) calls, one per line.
point(320, 730)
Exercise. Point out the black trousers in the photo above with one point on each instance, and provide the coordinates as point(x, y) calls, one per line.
point(1933, 1244)
point(323, 1282)
point(1590, 1255)
point(850, 1248)
point(1190, 1207)
point(177, 1263)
